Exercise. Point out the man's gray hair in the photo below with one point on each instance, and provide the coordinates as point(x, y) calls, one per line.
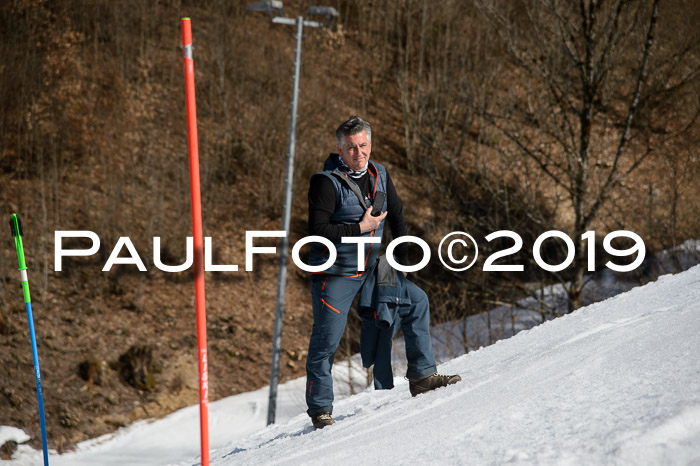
point(354, 125)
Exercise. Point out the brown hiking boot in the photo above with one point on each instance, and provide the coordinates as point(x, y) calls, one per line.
point(322, 420)
point(431, 383)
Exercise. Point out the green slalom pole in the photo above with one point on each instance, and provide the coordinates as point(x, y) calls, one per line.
point(16, 227)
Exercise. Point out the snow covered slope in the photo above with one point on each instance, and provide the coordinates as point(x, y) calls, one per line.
point(617, 382)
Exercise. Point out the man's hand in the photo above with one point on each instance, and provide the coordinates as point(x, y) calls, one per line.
point(369, 223)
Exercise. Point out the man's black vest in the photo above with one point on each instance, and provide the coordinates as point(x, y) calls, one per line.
point(350, 206)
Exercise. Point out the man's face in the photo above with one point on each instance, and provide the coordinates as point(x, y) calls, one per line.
point(355, 151)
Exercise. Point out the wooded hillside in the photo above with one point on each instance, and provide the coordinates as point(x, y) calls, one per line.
point(526, 116)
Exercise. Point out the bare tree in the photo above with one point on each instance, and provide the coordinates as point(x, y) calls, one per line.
point(582, 78)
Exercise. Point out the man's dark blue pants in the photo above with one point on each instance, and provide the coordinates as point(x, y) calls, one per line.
point(331, 297)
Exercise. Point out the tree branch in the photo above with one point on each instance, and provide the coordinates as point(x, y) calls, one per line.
point(612, 180)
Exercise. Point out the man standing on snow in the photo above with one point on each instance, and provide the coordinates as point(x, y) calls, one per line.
point(341, 201)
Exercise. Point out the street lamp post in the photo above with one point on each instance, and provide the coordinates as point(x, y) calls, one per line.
point(274, 9)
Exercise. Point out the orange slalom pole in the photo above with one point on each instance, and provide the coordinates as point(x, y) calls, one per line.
point(198, 239)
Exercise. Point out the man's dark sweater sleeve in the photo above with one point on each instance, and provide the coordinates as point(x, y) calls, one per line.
point(395, 217)
point(321, 208)
point(396, 220)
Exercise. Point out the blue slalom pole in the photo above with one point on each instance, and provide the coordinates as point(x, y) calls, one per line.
point(16, 227)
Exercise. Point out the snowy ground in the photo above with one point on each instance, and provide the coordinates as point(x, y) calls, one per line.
point(617, 382)
point(450, 339)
